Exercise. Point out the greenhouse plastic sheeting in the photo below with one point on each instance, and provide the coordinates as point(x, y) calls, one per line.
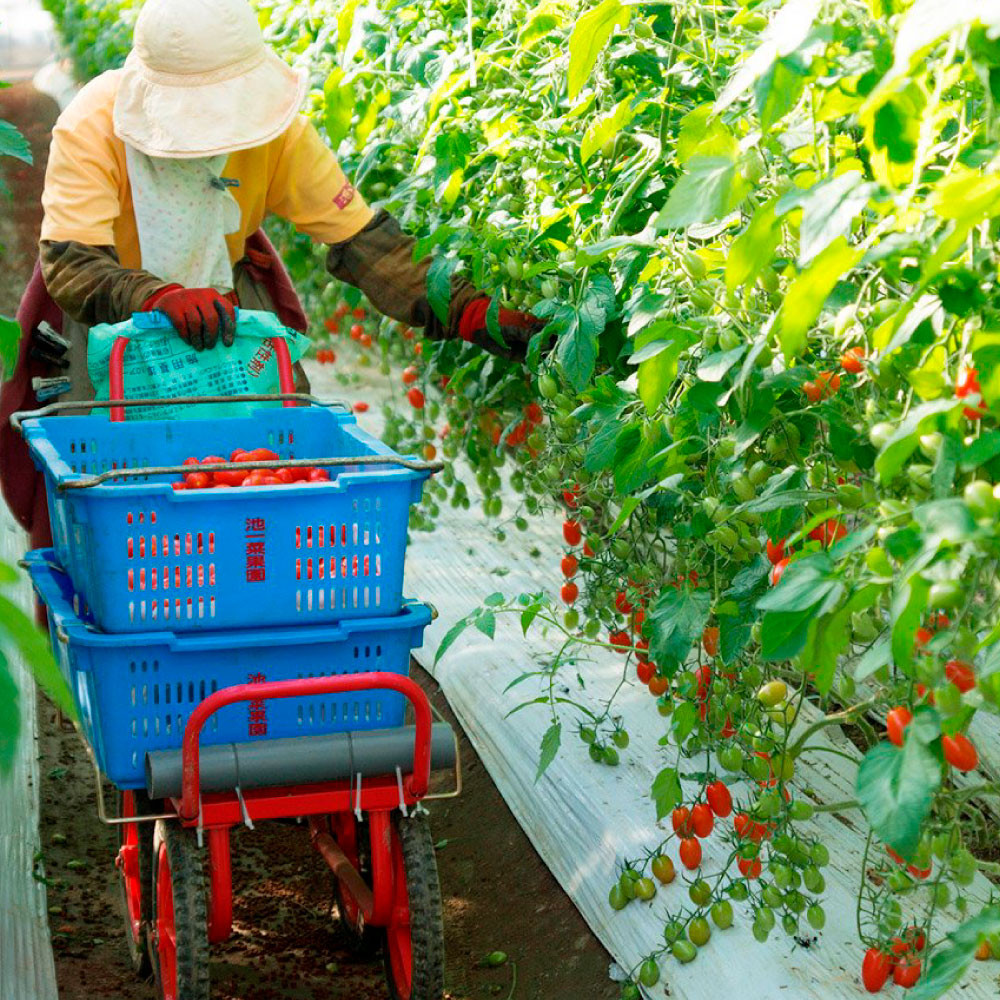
point(584, 818)
point(27, 971)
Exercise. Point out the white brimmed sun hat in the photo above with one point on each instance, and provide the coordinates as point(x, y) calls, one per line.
point(200, 81)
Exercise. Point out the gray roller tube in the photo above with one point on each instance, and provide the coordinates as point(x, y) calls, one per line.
point(299, 760)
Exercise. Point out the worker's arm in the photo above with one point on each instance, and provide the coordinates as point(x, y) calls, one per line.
point(371, 252)
point(90, 285)
point(379, 261)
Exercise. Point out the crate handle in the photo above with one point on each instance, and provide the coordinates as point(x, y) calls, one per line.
point(264, 397)
point(416, 783)
point(413, 464)
point(116, 388)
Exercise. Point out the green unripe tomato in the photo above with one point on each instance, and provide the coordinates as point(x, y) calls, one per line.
point(548, 388)
point(592, 628)
point(758, 768)
point(731, 758)
point(801, 810)
point(878, 562)
point(772, 693)
point(571, 619)
point(760, 932)
point(946, 594)
point(700, 892)
point(699, 932)
point(863, 628)
point(610, 756)
point(768, 279)
point(596, 753)
point(726, 447)
point(588, 734)
point(743, 488)
point(729, 339)
point(630, 992)
point(759, 472)
point(673, 931)
point(684, 951)
point(702, 299)
point(739, 891)
point(617, 897)
point(850, 496)
point(816, 917)
point(979, 498)
point(879, 434)
point(695, 267)
point(620, 736)
point(722, 914)
point(812, 879)
point(846, 687)
point(649, 972)
point(820, 855)
point(772, 896)
point(645, 889)
point(765, 917)
point(948, 699)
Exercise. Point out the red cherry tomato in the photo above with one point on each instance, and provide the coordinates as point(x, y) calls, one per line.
point(534, 413)
point(852, 360)
point(741, 824)
point(622, 641)
point(569, 565)
point(622, 603)
point(681, 820)
point(967, 384)
point(319, 476)
point(907, 972)
point(701, 820)
point(644, 670)
point(229, 477)
point(237, 455)
point(896, 722)
point(361, 407)
point(828, 532)
point(778, 570)
point(657, 685)
point(356, 331)
point(690, 851)
point(359, 312)
point(416, 398)
point(287, 476)
point(572, 532)
point(259, 455)
point(212, 459)
point(749, 868)
point(365, 340)
point(178, 486)
point(710, 640)
point(190, 461)
point(197, 480)
point(719, 799)
point(570, 592)
point(410, 375)
point(960, 752)
point(875, 969)
point(775, 551)
point(960, 674)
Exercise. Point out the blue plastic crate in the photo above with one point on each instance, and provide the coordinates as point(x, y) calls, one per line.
point(134, 692)
point(145, 556)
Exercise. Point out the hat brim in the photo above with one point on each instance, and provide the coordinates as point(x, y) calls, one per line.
point(210, 117)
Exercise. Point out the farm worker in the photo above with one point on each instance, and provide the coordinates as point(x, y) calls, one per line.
point(161, 171)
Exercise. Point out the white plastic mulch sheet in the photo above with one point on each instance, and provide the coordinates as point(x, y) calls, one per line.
point(27, 971)
point(584, 818)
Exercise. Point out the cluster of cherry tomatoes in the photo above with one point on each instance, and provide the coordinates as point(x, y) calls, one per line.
point(207, 479)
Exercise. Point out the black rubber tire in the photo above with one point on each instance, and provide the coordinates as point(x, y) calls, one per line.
point(138, 948)
point(367, 942)
point(187, 875)
point(426, 919)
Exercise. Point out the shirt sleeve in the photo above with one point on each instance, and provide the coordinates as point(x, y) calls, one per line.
point(310, 190)
point(81, 194)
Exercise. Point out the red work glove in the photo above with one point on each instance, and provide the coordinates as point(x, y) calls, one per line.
point(516, 328)
point(199, 315)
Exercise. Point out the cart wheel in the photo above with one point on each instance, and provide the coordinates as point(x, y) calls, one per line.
point(134, 859)
point(180, 927)
point(352, 836)
point(414, 939)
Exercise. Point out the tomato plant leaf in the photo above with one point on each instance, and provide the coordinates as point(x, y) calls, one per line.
point(10, 716)
point(702, 132)
point(683, 720)
point(909, 603)
point(590, 35)
point(666, 792)
point(604, 128)
point(528, 615)
point(716, 366)
point(804, 584)
point(905, 438)
point(486, 622)
point(13, 143)
point(709, 189)
point(778, 89)
point(784, 633)
point(754, 247)
point(338, 107)
point(950, 961)
point(549, 748)
point(10, 336)
point(809, 291)
point(439, 284)
point(828, 637)
point(828, 209)
point(677, 619)
point(579, 329)
point(896, 785)
point(449, 638)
